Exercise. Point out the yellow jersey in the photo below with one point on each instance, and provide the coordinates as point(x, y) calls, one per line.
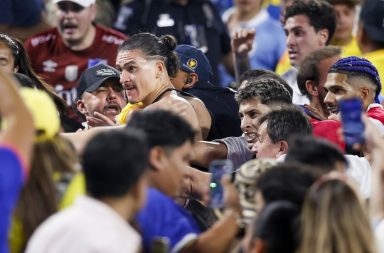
point(284, 64)
point(122, 118)
point(351, 49)
point(75, 188)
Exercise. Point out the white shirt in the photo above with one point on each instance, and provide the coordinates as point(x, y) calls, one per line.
point(291, 77)
point(360, 170)
point(88, 226)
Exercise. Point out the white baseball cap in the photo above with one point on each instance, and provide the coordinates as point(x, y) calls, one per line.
point(84, 3)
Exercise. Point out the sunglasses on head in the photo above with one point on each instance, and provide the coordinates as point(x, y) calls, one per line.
point(67, 6)
point(11, 43)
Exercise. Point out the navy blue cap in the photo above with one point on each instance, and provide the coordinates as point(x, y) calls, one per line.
point(92, 78)
point(193, 60)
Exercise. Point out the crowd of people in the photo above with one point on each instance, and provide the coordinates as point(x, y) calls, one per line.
point(115, 114)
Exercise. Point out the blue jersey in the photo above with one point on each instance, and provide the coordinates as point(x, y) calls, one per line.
point(268, 46)
point(11, 181)
point(162, 217)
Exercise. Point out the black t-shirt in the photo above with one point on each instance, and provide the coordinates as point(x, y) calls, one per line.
point(224, 110)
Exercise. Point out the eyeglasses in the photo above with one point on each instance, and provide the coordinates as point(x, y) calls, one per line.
point(67, 6)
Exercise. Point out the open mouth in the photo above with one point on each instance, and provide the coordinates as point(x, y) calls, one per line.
point(68, 27)
point(250, 137)
point(131, 92)
point(333, 109)
point(129, 87)
point(112, 109)
point(293, 54)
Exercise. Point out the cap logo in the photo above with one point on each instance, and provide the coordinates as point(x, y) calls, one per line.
point(192, 63)
point(105, 72)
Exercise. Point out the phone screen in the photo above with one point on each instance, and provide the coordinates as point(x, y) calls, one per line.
point(353, 126)
point(218, 169)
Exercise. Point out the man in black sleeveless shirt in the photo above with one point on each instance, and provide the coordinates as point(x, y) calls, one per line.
point(194, 77)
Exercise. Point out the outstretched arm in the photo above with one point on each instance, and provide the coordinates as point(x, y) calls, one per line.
point(207, 151)
point(19, 131)
point(220, 236)
point(80, 139)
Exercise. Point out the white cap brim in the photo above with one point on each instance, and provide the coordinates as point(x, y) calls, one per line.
point(84, 3)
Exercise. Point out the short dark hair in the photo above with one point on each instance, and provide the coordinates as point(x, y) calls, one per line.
point(114, 161)
point(287, 181)
point(350, 3)
point(320, 13)
point(153, 46)
point(285, 122)
point(314, 151)
point(277, 225)
point(266, 89)
point(264, 73)
point(309, 67)
point(162, 128)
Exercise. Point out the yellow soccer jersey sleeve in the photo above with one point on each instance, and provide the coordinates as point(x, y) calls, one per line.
point(121, 119)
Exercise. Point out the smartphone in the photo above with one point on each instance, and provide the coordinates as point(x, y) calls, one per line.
point(353, 126)
point(218, 169)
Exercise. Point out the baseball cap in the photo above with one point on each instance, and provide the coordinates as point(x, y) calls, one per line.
point(84, 3)
point(193, 60)
point(372, 16)
point(245, 182)
point(94, 77)
point(44, 113)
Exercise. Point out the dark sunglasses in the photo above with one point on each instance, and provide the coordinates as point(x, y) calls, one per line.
point(67, 6)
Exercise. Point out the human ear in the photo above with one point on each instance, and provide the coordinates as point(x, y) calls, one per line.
point(160, 68)
point(156, 157)
point(93, 9)
point(191, 80)
point(80, 105)
point(364, 93)
point(323, 36)
point(311, 88)
point(283, 148)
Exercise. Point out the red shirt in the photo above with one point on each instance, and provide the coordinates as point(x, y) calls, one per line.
point(61, 67)
point(328, 129)
point(376, 111)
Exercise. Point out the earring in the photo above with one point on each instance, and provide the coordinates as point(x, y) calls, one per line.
point(188, 80)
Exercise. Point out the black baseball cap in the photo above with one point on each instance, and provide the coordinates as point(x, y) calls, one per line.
point(372, 17)
point(94, 77)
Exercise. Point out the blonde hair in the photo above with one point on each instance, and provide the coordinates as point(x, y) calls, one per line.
point(334, 220)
